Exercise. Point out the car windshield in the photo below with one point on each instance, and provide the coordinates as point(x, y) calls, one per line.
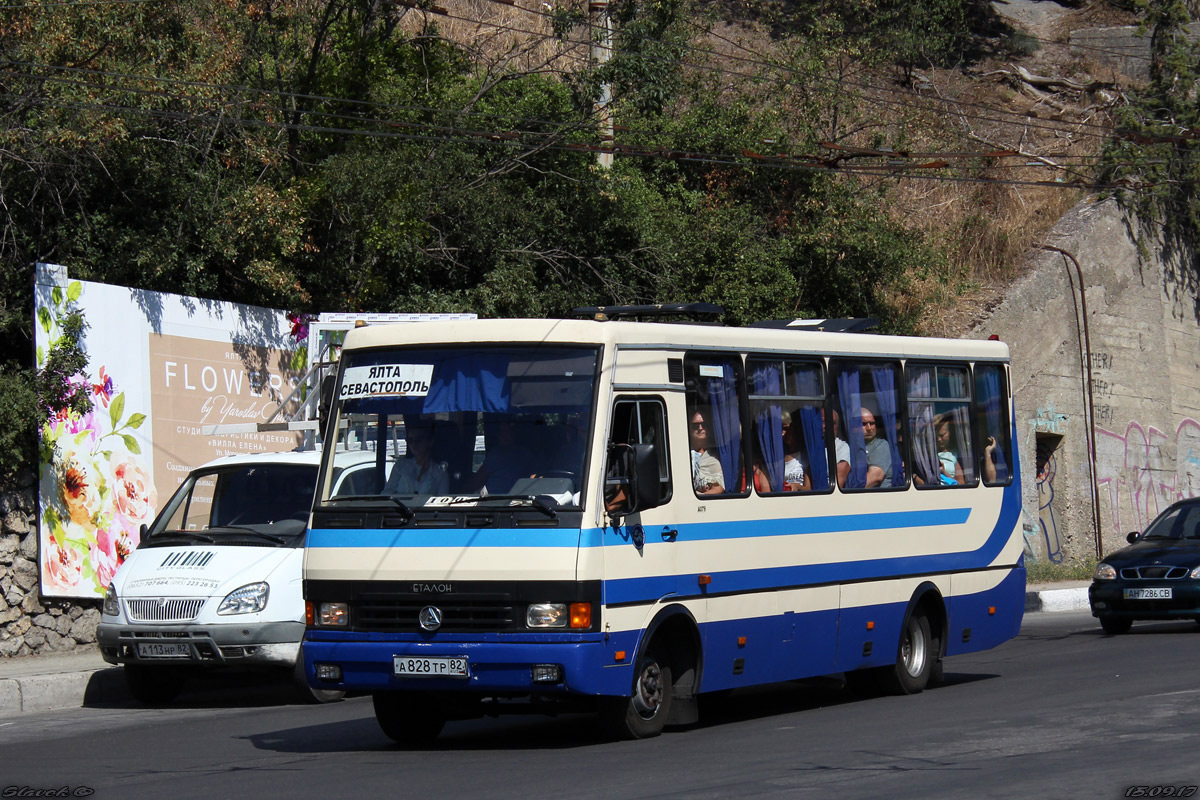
point(264, 500)
point(457, 424)
point(1178, 522)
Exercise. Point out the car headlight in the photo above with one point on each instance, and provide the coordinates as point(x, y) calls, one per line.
point(247, 600)
point(112, 606)
point(1104, 572)
point(1195, 573)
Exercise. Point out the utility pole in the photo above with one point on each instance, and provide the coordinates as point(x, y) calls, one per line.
point(601, 28)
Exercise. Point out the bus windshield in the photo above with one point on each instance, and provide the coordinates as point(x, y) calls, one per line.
point(451, 424)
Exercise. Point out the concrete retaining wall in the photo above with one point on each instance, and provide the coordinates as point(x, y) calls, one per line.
point(1141, 341)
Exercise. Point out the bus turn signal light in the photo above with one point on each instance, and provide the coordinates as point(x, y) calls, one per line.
point(581, 615)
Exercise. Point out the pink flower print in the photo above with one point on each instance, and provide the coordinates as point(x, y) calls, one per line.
point(104, 390)
point(134, 495)
point(104, 559)
point(79, 482)
point(64, 566)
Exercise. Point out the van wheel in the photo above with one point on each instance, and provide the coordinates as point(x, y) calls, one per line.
point(154, 686)
point(306, 693)
point(408, 719)
point(644, 713)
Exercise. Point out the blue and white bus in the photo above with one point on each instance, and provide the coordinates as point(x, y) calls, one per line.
point(658, 510)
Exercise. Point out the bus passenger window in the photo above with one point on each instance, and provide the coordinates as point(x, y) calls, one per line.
point(993, 439)
point(939, 418)
point(787, 440)
point(868, 400)
point(714, 423)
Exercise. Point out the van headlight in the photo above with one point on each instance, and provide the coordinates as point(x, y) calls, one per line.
point(112, 606)
point(246, 600)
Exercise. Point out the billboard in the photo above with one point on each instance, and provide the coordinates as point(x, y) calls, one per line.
point(162, 370)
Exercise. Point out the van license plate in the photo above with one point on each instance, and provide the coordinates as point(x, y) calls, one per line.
point(427, 667)
point(1148, 594)
point(164, 650)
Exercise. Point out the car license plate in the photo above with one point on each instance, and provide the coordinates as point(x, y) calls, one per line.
point(428, 667)
point(164, 650)
point(1148, 594)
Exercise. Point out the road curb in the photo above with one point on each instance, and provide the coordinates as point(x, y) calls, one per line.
point(1057, 600)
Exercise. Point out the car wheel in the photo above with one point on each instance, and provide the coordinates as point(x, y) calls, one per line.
point(154, 686)
point(644, 713)
point(1115, 626)
point(408, 719)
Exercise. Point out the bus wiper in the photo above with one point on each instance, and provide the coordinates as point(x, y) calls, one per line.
point(538, 501)
point(384, 498)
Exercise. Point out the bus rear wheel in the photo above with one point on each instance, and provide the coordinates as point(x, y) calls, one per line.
point(408, 719)
point(644, 713)
point(915, 658)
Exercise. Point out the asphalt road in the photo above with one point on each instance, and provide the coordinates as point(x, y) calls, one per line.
point(1061, 712)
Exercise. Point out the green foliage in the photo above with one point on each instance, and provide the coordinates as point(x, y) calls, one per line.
point(18, 406)
point(1156, 156)
point(1049, 572)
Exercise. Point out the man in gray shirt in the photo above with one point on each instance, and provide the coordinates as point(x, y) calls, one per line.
point(879, 453)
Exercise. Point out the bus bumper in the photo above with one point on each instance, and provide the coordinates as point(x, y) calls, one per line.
point(500, 668)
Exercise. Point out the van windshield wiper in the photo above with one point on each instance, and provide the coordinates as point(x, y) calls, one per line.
point(270, 537)
point(547, 505)
point(194, 536)
point(367, 499)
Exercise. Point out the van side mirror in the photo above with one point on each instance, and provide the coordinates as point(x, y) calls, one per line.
point(632, 479)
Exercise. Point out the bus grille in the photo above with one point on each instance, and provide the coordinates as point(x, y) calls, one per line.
point(165, 610)
point(460, 614)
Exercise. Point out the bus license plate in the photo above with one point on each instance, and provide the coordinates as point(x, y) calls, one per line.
point(164, 650)
point(428, 667)
point(1148, 594)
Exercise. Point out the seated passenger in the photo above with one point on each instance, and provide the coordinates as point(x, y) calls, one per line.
point(418, 473)
point(707, 475)
point(841, 449)
point(879, 453)
point(507, 459)
point(795, 476)
point(950, 470)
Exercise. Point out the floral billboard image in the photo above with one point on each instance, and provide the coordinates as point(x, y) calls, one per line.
point(103, 473)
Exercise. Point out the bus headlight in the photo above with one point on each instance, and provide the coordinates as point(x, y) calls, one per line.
point(1104, 572)
point(546, 615)
point(112, 606)
point(248, 599)
point(336, 615)
point(559, 615)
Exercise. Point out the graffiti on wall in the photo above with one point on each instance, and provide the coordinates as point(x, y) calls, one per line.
point(1143, 470)
point(1046, 519)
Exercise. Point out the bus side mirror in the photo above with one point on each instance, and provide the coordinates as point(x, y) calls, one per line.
point(632, 479)
point(325, 406)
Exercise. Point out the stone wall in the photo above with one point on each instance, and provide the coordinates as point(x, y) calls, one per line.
point(29, 624)
point(1135, 406)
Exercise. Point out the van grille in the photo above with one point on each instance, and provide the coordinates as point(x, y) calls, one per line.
point(168, 609)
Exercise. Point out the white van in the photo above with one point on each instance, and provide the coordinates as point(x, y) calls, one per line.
point(216, 579)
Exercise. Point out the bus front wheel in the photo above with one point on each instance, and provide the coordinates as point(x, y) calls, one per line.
point(408, 719)
point(645, 712)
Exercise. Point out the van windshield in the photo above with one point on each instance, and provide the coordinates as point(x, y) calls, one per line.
point(453, 423)
point(262, 500)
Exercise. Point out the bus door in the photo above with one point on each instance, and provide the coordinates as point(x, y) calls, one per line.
point(640, 550)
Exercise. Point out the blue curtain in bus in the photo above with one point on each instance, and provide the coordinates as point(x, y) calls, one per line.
point(473, 382)
point(991, 406)
point(920, 414)
point(722, 394)
point(851, 402)
point(768, 421)
point(808, 384)
point(885, 395)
